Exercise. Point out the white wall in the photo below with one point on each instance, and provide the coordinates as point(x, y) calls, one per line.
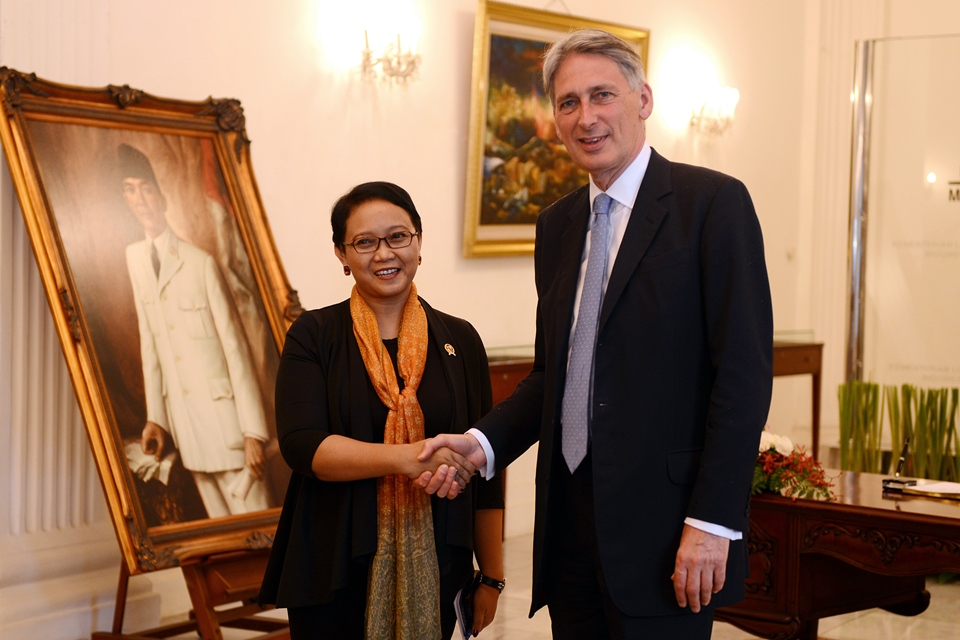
point(317, 130)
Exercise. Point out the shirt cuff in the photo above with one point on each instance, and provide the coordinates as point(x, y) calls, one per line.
point(490, 469)
point(715, 529)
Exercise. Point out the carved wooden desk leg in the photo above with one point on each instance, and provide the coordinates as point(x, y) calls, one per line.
point(912, 607)
point(807, 630)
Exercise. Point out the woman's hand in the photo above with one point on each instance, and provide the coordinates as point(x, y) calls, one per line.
point(484, 607)
point(466, 445)
point(449, 457)
point(342, 459)
point(443, 461)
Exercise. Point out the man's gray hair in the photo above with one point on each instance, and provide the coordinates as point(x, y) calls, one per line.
point(595, 41)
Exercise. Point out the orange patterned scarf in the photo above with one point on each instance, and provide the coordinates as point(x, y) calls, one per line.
point(403, 596)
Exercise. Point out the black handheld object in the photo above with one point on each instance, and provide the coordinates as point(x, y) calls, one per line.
point(897, 484)
point(463, 604)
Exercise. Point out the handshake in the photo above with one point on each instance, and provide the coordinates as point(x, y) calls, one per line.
point(453, 459)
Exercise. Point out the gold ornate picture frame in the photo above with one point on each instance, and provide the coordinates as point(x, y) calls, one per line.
point(516, 164)
point(193, 344)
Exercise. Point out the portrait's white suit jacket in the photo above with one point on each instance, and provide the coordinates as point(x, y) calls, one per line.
point(198, 379)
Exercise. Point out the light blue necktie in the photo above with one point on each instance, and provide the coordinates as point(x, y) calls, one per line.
point(576, 395)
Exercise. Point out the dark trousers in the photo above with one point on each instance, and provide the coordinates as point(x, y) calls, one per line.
point(577, 597)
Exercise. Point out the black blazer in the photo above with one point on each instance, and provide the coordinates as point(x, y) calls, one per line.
point(682, 378)
point(322, 389)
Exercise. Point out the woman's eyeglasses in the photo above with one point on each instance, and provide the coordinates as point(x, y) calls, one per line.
point(396, 240)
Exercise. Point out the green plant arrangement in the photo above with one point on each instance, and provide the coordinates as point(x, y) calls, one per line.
point(928, 417)
point(861, 426)
point(788, 470)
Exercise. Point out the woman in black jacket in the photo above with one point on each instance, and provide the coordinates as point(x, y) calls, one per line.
point(360, 551)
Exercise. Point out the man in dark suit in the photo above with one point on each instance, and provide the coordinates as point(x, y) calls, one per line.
point(652, 372)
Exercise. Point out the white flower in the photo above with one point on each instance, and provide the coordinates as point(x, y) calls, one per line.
point(782, 444)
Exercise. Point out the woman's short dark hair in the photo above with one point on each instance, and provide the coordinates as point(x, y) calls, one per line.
point(366, 192)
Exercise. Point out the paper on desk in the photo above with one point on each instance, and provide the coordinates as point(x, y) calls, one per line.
point(937, 489)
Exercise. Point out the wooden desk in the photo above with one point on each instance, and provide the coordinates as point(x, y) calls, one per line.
point(811, 560)
point(795, 358)
point(506, 373)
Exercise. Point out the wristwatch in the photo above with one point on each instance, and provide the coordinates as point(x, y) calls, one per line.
point(490, 582)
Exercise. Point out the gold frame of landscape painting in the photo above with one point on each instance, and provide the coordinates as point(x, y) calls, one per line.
point(516, 165)
point(139, 341)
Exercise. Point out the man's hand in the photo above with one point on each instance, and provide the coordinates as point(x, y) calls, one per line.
point(440, 483)
point(445, 482)
point(153, 440)
point(701, 567)
point(254, 456)
point(450, 470)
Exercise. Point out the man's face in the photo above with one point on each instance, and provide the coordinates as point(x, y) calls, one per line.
point(147, 203)
point(598, 117)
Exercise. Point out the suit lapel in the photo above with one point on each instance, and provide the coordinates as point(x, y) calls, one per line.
point(170, 262)
point(146, 267)
point(648, 213)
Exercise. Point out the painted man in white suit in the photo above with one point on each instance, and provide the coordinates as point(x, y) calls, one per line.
point(201, 391)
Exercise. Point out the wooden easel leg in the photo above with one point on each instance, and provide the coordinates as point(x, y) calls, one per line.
point(121, 605)
point(211, 581)
point(207, 623)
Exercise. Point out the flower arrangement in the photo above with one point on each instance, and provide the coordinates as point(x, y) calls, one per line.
point(788, 470)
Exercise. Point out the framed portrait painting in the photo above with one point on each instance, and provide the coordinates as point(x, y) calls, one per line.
point(517, 165)
point(170, 302)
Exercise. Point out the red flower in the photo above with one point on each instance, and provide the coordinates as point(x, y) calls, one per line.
point(796, 475)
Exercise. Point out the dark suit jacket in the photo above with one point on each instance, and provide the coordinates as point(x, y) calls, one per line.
point(682, 378)
point(323, 389)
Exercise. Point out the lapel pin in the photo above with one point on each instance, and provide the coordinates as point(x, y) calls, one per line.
point(450, 350)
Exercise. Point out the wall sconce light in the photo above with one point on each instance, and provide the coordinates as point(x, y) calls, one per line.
point(715, 114)
point(395, 64)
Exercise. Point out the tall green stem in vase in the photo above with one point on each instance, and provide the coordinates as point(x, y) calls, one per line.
point(892, 398)
point(951, 467)
point(860, 426)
